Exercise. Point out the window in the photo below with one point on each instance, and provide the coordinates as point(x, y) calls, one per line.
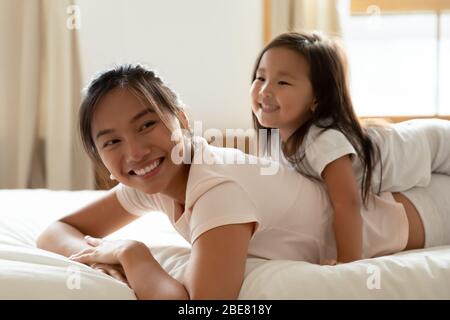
point(399, 52)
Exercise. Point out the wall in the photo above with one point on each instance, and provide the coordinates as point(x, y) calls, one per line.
point(205, 49)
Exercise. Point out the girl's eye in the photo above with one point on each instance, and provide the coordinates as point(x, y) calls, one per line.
point(147, 124)
point(283, 83)
point(260, 78)
point(110, 143)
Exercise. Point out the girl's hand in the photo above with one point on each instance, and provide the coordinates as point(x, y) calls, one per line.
point(102, 251)
point(116, 271)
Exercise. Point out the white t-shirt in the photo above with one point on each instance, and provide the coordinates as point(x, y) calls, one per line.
point(404, 152)
point(293, 214)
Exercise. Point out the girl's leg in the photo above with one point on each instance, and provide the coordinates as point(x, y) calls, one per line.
point(431, 208)
point(437, 132)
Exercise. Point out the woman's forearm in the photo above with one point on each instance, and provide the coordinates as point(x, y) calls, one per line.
point(62, 238)
point(147, 278)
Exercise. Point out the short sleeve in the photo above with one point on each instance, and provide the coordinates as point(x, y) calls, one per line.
point(137, 202)
point(224, 204)
point(326, 146)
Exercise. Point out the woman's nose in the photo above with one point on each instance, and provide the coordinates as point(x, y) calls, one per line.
point(137, 151)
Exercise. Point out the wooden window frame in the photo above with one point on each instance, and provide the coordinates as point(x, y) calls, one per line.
point(400, 6)
point(395, 119)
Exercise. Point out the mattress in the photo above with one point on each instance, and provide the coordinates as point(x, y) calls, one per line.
point(27, 272)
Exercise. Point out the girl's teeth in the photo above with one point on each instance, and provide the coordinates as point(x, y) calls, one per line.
point(268, 108)
point(147, 169)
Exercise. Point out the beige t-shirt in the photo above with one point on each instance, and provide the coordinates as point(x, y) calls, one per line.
point(293, 214)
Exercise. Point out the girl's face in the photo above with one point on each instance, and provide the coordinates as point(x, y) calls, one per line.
point(135, 145)
point(282, 95)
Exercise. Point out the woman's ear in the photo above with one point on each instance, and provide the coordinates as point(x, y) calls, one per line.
point(182, 116)
point(314, 105)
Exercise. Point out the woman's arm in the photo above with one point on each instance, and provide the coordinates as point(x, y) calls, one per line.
point(102, 217)
point(217, 265)
point(345, 198)
point(146, 276)
point(62, 238)
point(215, 270)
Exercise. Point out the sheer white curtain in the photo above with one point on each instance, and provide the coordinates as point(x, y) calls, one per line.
point(40, 86)
point(307, 15)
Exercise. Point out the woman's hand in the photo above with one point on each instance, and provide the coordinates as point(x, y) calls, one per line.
point(102, 251)
point(114, 270)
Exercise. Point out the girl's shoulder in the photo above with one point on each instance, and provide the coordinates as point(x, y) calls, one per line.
point(322, 135)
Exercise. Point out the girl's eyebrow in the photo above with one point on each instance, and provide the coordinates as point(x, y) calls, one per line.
point(134, 119)
point(279, 73)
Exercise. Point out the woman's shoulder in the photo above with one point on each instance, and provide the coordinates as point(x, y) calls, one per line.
point(213, 165)
point(139, 202)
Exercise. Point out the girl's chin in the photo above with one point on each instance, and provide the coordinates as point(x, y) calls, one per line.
point(267, 123)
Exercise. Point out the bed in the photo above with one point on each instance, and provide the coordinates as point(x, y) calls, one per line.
point(27, 272)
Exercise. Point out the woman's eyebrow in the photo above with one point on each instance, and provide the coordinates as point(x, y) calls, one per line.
point(141, 114)
point(134, 119)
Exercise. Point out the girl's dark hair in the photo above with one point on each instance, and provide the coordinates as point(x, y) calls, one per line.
point(142, 82)
point(329, 79)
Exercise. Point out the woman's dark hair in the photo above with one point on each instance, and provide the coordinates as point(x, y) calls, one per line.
point(145, 84)
point(329, 79)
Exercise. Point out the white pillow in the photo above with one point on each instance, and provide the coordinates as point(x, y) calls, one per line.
point(30, 273)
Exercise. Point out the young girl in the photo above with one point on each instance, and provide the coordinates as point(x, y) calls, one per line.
point(130, 121)
point(300, 86)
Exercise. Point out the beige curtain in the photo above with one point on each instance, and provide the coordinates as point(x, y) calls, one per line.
point(305, 15)
point(40, 86)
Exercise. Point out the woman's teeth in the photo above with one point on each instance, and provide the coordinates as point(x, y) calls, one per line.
point(147, 169)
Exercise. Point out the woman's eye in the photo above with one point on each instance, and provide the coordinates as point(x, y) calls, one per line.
point(110, 143)
point(260, 78)
point(147, 124)
point(284, 83)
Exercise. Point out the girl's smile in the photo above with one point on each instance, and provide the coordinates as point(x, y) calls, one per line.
point(267, 108)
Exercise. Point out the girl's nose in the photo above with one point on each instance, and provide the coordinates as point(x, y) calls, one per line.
point(266, 91)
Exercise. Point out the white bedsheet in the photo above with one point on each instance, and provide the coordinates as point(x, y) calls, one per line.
point(30, 273)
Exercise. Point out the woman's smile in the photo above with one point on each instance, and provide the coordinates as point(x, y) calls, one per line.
point(149, 170)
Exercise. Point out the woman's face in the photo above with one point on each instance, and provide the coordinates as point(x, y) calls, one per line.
point(282, 94)
point(134, 144)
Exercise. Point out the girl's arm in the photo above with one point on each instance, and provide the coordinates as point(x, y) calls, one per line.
point(215, 270)
point(345, 198)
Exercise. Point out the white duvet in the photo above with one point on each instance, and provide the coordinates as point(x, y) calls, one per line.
point(30, 273)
